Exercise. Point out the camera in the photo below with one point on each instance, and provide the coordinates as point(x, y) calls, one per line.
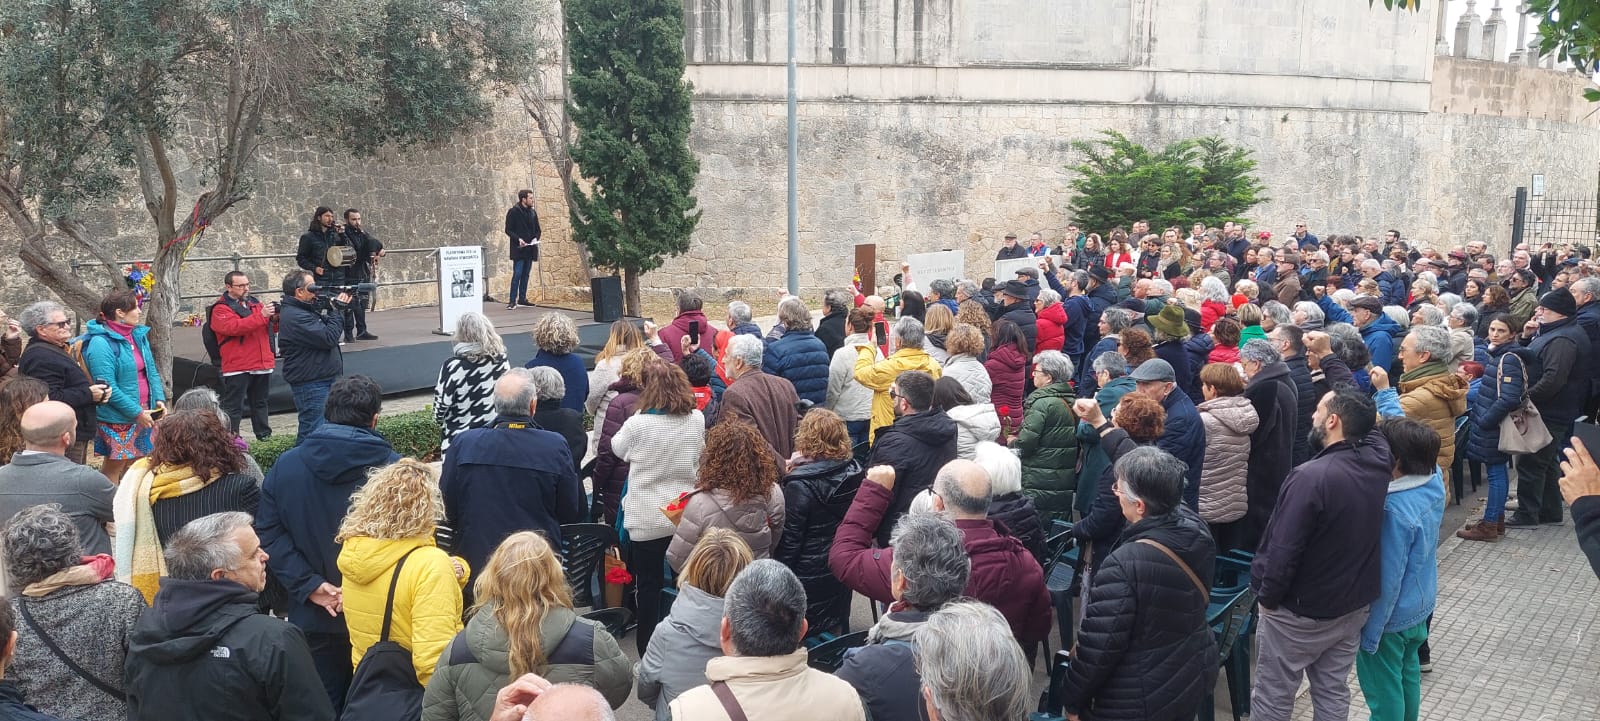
point(328, 294)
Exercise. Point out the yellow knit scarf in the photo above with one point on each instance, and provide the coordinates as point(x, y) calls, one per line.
point(138, 547)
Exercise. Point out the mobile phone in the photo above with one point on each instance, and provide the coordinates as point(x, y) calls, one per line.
point(157, 413)
point(694, 332)
point(881, 331)
point(1589, 433)
point(102, 382)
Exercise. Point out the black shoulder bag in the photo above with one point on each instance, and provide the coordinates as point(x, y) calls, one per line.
point(385, 686)
point(79, 670)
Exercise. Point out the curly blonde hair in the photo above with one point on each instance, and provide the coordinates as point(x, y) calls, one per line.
point(400, 500)
point(822, 435)
point(521, 582)
point(634, 362)
point(555, 333)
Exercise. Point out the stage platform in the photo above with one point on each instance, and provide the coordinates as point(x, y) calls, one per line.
point(407, 355)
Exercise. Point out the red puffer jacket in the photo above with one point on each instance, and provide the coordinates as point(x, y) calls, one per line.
point(1052, 334)
point(242, 340)
point(1210, 311)
point(1008, 372)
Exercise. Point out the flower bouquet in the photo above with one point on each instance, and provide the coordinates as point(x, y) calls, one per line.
point(141, 279)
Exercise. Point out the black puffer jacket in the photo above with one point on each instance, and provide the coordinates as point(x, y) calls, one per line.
point(1022, 314)
point(1306, 397)
point(816, 497)
point(917, 446)
point(1145, 651)
point(1104, 522)
point(309, 342)
point(1017, 513)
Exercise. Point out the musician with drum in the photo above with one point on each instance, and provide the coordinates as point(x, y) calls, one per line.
point(325, 251)
point(368, 251)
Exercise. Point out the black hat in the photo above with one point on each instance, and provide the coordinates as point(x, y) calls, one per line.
point(1561, 301)
point(1099, 273)
point(1016, 289)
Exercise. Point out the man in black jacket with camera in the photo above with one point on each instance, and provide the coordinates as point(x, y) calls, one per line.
point(308, 338)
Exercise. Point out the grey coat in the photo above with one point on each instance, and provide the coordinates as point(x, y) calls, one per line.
point(91, 624)
point(685, 641)
point(1229, 421)
point(759, 521)
point(32, 479)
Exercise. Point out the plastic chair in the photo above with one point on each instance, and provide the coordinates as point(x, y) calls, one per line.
point(828, 656)
point(1059, 574)
point(583, 549)
point(1232, 577)
point(617, 621)
point(1229, 615)
point(1050, 699)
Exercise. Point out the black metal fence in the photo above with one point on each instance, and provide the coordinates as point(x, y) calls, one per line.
point(1557, 221)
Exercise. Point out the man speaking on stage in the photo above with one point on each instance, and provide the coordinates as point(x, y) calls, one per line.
point(522, 228)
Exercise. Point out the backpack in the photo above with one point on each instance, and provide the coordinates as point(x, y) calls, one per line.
point(75, 348)
point(208, 337)
point(384, 687)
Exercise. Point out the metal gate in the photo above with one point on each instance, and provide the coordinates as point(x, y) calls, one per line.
point(1541, 220)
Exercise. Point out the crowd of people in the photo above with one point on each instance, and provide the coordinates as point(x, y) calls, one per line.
point(1160, 400)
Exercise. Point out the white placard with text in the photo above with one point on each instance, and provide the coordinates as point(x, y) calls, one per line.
point(461, 284)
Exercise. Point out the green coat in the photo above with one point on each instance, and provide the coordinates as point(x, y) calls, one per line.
point(476, 664)
point(1048, 445)
point(1251, 332)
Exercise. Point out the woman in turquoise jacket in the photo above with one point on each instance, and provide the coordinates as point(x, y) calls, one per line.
point(116, 348)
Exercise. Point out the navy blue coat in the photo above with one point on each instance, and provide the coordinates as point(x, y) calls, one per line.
point(1087, 384)
point(309, 343)
point(800, 358)
point(570, 366)
point(511, 476)
point(1307, 398)
point(1185, 437)
point(1500, 392)
point(1390, 289)
point(304, 498)
point(1173, 352)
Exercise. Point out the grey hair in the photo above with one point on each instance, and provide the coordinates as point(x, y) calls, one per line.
point(1212, 289)
point(949, 488)
point(1257, 350)
point(205, 545)
point(476, 328)
point(1371, 263)
point(1431, 315)
point(40, 541)
point(746, 348)
point(1048, 297)
point(943, 287)
point(970, 288)
point(201, 398)
point(599, 707)
point(1467, 313)
point(1433, 340)
point(548, 384)
point(38, 314)
point(1590, 285)
point(1313, 312)
point(1055, 364)
point(1111, 362)
point(1398, 314)
point(766, 606)
point(1428, 280)
point(931, 555)
point(515, 399)
point(555, 333)
point(1080, 279)
point(1003, 466)
point(1160, 286)
point(1343, 296)
point(1152, 475)
point(1278, 312)
point(1118, 319)
point(739, 311)
point(836, 299)
point(908, 333)
point(1448, 300)
point(793, 314)
point(971, 665)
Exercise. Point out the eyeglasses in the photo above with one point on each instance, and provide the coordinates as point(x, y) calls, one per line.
point(238, 285)
point(58, 324)
point(893, 393)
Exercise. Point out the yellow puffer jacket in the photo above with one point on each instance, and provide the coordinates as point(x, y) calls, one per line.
point(427, 599)
point(880, 374)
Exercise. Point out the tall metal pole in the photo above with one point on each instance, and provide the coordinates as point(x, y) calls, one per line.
point(794, 159)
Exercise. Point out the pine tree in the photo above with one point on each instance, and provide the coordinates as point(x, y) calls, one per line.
point(1200, 180)
point(632, 109)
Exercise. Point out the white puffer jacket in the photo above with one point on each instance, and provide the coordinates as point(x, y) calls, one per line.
point(973, 376)
point(847, 397)
point(975, 424)
point(1229, 421)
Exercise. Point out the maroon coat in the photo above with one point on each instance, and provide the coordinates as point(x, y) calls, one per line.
point(1008, 372)
point(673, 334)
point(611, 472)
point(1004, 574)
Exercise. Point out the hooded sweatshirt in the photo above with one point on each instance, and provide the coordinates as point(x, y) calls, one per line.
point(303, 500)
point(206, 636)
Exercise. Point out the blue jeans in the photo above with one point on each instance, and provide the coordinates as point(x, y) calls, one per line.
point(520, 270)
point(858, 431)
point(1499, 486)
point(309, 398)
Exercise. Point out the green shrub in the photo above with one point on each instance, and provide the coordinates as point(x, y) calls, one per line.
point(412, 434)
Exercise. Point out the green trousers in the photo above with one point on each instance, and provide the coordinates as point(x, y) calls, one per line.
point(1391, 679)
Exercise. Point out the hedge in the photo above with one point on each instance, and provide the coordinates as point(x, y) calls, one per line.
point(412, 434)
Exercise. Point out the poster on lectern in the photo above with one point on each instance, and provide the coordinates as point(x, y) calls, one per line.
point(461, 284)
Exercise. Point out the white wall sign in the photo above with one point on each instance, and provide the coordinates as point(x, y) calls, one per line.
point(929, 267)
point(461, 284)
point(1005, 270)
point(1538, 186)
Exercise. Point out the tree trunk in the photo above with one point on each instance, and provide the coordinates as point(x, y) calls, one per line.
point(162, 308)
point(630, 292)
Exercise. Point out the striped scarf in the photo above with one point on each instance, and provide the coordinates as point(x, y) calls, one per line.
point(138, 547)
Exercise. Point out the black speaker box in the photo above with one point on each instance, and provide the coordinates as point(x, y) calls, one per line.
point(606, 295)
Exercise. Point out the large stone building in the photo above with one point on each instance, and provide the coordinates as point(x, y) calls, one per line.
point(932, 124)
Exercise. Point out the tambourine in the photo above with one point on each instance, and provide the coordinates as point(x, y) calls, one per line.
point(340, 256)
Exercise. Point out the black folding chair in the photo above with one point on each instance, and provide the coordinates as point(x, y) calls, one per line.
point(583, 551)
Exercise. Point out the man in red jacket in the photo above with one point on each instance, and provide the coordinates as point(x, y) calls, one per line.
point(240, 323)
point(1004, 574)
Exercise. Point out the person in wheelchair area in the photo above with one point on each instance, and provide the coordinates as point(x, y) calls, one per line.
point(1159, 670)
